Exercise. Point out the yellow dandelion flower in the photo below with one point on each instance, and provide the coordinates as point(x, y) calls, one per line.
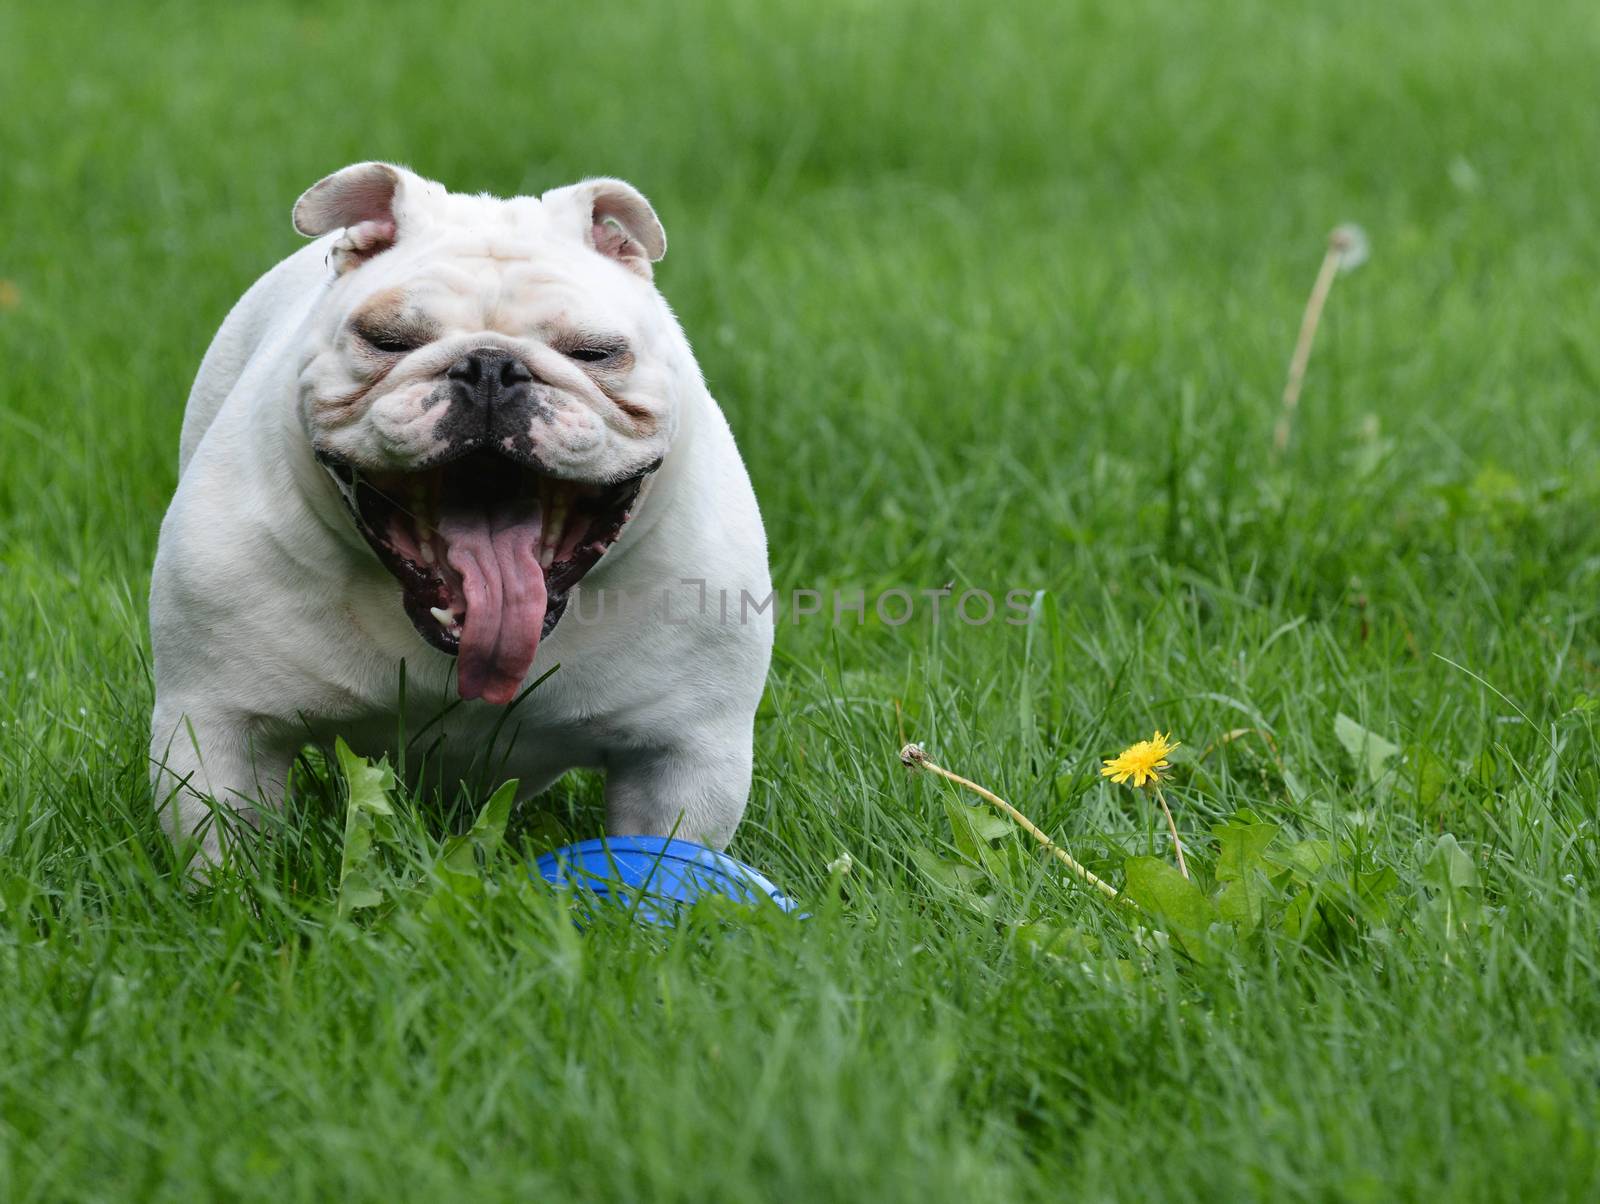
point(1143, 762)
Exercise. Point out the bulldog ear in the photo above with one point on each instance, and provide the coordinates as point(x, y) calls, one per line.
point(365, 200)
point(614, 218)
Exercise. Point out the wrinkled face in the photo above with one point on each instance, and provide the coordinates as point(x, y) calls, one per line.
point(490, 390)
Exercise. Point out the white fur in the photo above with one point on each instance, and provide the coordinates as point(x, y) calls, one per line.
point(274, 623)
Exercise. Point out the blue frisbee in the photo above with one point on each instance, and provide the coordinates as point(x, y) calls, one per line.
point(656, 875)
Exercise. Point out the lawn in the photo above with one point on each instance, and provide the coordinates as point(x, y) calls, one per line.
point(998, 296)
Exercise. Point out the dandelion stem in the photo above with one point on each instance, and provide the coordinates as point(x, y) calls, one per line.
point(914, 757)
point(1173, 828)
point(1308, 334)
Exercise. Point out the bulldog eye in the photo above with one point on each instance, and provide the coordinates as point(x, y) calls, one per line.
point(589, 355)
point(390, 342)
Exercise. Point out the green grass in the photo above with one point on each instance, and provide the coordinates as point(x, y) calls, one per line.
point(998, 295)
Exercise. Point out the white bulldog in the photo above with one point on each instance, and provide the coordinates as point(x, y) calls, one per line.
point(429, 437)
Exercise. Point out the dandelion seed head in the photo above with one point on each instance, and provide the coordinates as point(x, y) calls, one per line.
point(1349, 242)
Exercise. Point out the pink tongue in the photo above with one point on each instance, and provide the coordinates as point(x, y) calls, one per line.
point(496, 555)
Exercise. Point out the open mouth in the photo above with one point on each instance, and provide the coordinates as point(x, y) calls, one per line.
point(486, 551)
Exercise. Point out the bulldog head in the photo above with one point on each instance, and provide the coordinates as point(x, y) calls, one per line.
point(489, 382)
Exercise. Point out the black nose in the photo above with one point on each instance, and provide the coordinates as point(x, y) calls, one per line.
point(488, 373)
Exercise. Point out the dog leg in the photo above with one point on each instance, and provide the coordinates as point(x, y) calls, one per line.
point(694, 790)
point(199, 767)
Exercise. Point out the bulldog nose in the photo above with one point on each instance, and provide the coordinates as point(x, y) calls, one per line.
point(487, 373)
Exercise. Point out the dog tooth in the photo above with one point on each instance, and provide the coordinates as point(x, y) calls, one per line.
point(547, 556)
point(425, 550)
point(555, 524)
point(444, 618)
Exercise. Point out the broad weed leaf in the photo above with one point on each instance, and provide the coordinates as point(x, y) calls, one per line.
point(1370, 751)
point(1375, 889)
point(1450, 867)
point(1451, 876)
point(489, 829)
point(369, 820)
point(458, 865)
point(1241, 846)
point(1243, 870)
point(1427, 780)
point(975, 827)
point(1306, 859)
point(943, 872)
point(1297, 790)
point(975, 832)
point(955, 879)
point(1170, 897)
point(1055, 941)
